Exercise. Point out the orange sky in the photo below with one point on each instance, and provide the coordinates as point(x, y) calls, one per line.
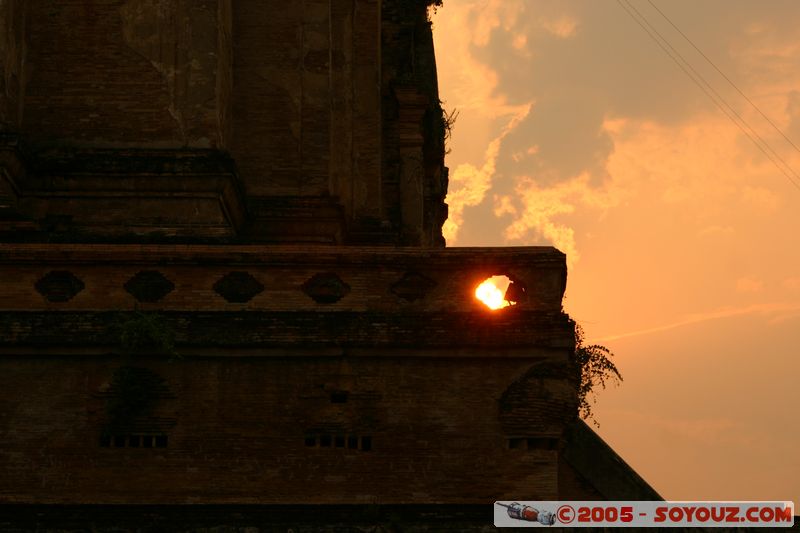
point(575, 129)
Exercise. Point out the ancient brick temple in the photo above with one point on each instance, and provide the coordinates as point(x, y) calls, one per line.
point(225, 299)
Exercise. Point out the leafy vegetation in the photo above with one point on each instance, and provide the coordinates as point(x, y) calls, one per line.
point(448, 121)
point(136, 390)
point(596, 368)
point(432, 6)
point(147, 332)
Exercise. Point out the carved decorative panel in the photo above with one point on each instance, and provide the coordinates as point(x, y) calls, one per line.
point(238, 287)
point(59, 286)
point(413, 286)
point(326, 288)
point(149, 286)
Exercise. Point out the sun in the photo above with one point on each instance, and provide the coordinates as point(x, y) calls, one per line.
point(492, 292)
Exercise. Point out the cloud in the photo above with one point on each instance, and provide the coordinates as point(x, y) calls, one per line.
point(467, 83)
point(793, 113)
point(468, 187)
point(707, 431)
point(760, 199)
point(592, 91)
point(716, 231)
point(792, 284)
point(581, 114)
point(540, 208)
point(749, 285)
point(619, 144)
point(469, 184)
point(562, 26)
point(486, 17)
point(773, 310)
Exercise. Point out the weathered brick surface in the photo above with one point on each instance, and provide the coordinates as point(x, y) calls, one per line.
point(573, 486)
point(588, 466)
point(414, 175)
point(322, 374)
point(437, 385)
point(515, 334)
point(268, 95)
point(194, 269)
point(103, 193)
point(12, 52)
point(119, 72)
point(247, 518)
point(304, 95)
point(242, 425)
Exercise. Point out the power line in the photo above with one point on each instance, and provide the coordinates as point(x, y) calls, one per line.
point(697, 82)
point(724, 76)
point(762, 144)
point(719, 97)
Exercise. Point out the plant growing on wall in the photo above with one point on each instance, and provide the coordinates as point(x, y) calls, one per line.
point(135, 392)
point(434, 4)
point(147, 332)
point(596, 368)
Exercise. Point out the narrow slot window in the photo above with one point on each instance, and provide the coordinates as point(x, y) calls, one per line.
point(516, 444)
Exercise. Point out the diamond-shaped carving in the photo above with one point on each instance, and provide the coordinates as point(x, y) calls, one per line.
point(59, 286)
point(413, 286)
point(238, 287)
point(149, 286)
point(326, 288)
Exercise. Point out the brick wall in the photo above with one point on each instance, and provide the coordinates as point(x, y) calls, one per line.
point(402, 390)
point(269, 430)
point(121, 73)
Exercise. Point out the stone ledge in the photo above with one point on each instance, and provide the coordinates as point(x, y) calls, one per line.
point(255, 254)
point(104, 192)
point(529, 334)
point(277, 278)
point(606, 471)
point(248, 518)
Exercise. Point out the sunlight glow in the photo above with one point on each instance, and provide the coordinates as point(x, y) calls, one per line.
point(491, 293)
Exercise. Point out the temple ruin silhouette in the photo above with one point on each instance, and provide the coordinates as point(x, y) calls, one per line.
point(225, 298)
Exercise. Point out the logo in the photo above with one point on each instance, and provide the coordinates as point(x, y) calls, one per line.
point(644, 514)
point(527, 513)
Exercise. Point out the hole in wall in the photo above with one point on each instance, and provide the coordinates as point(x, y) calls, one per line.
point(134, 441)
point(532, 443)
point(366, 444)
point(542, 443)
point(516, 443)
point(339, 396)
point(497, 292)
point(341, 441)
